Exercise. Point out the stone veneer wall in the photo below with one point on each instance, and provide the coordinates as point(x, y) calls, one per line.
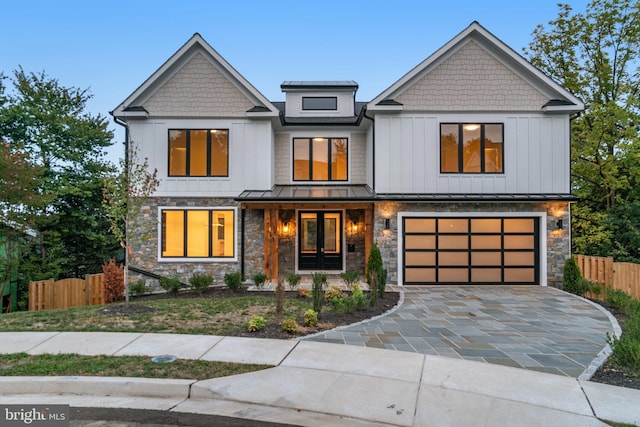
point(144, 243)
point(558, 242)
point(253, 242)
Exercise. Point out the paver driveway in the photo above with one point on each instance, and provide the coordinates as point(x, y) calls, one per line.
point(531, 327)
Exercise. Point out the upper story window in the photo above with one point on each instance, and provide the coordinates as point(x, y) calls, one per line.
point(319, 103)
point(320, 159)
point(198, 152)
point(471, 148)
point(198, 233)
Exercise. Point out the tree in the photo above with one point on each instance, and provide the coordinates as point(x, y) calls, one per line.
point(124, 194)
point(595, 55)
point(49, 122)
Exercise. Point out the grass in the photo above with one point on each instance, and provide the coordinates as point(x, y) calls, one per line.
point(626, 349)
point(207, 316)
point(22, 364)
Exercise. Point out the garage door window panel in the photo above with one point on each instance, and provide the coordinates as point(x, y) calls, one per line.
point(420, 275)
point(486, 275)
point(420, 242)
point(420, 258)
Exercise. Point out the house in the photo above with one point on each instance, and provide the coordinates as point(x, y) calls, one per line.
point(459, 171)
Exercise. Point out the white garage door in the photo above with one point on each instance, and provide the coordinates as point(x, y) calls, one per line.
point(470, 250)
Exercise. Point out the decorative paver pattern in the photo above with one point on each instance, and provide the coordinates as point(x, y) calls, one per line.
point(531, 327)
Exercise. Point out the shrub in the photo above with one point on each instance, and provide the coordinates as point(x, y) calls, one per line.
point(311, 318)
point(293, 280)
point(259, 279)
point(279, 297)
point(199, 282)
point(349, 278)
point(113, 281)
point(290, 326)
point(337, 305)
point(332, 293)
point(303, 293)
point(137, 288)
point(256, 323)
point(381, 282)
point(626, 349)
point(572, 281)
point(233, 281)
point(171, 284)
point(374, 263)
point(319, 280)
point(359, 298)
point(621, 300)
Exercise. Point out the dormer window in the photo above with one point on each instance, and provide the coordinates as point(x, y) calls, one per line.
point(319, 103)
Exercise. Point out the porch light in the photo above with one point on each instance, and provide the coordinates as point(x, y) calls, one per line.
point(387, 224)
point(559, 224)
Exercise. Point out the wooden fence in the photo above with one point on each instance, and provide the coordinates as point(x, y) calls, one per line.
point(49, 294)
point(624, 276)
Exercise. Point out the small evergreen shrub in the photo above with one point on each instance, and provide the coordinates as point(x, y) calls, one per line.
point(171, 284)
point(138, 287)
point(293, 280)
point(200, 281)
point(381, 281)
point(259, 279)
point(113, 281)
point(332, 293)
point(350, 278)
point(572, 280)
point(359, 298)
point(626, 349)
point(374, 264)
point(289, 326)
point(310, 318)
point(256, 323)
point(233, 281)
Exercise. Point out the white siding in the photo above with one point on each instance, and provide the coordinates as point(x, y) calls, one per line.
point(536, 155)
point(250, 157)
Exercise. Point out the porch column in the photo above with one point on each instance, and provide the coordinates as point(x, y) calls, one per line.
point(271, 244)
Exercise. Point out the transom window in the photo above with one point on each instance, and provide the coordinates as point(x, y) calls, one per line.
point(198, 233)
point(198, 152)
point(319, 103)
point(320, 159)
point(471, 148)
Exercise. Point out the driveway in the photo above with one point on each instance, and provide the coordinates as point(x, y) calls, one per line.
point(531, 327)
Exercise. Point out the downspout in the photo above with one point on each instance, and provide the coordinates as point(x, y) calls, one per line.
point(126, 225)
point(373, 149)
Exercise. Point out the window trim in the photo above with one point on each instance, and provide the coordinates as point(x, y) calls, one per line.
point(310, 147)
point(304, 98)
point(188, 152)
point(461, 148)
point(211, 209)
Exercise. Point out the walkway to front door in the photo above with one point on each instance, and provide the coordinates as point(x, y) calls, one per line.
point(531, 327)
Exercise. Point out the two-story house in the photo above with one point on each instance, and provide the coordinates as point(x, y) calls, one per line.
point(459, 172)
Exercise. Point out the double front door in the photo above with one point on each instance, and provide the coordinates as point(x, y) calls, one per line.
point(320, 240)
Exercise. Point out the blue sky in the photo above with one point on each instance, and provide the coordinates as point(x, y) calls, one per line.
point(111, 47)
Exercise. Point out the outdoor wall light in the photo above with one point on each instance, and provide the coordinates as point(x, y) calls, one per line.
point(559, 224)
point(387, 224)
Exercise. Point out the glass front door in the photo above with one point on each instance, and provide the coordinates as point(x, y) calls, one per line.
point(320, 240)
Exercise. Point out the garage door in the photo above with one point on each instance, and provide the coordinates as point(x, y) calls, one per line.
point(470, 250)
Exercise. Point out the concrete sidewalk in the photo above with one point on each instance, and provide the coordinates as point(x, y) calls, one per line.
point(320, 384)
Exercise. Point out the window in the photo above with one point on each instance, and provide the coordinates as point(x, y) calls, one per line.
point(319, 103)
point(203, 152)
point(319, 159)
point(198, 233)
point(471, 148)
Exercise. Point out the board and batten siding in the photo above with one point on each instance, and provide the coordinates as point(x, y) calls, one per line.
point(536, 155)
point(250, 157)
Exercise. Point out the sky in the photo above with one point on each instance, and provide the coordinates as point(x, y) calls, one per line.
point(110, 48)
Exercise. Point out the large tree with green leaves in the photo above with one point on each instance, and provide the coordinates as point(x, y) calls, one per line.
point(50, 123)
point(596, 55)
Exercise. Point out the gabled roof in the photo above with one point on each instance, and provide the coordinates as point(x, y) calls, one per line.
point(133, 105)
point(560, 98)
